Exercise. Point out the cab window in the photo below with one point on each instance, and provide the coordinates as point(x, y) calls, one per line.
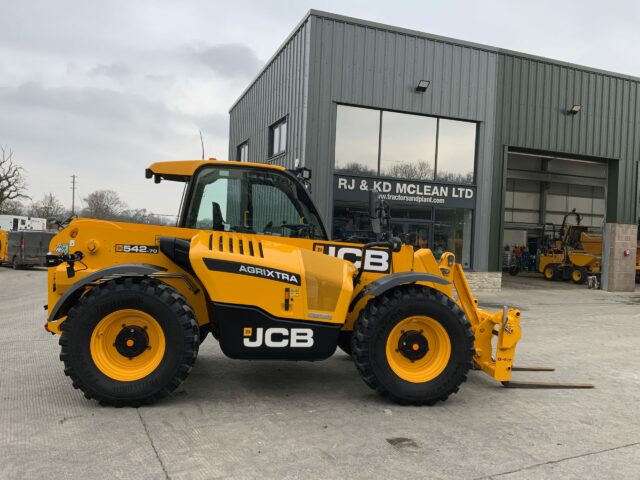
point(252, 200)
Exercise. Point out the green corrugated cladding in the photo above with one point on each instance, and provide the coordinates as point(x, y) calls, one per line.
point(518, 100)
point(533, 99)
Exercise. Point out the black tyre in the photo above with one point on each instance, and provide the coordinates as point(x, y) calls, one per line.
point(514, 270)
point(129, 342)
point(550, 272)
point(344, 341)
point(413, 345)
point(579, 275)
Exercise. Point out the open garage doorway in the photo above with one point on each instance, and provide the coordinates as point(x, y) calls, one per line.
point(542, 191)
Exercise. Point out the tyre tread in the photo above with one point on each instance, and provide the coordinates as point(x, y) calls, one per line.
point(184, 316)
point(375, 312)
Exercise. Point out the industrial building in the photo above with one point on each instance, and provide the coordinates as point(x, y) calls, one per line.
point(474, 147)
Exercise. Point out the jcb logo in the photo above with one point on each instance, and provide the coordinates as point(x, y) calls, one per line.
point(278, 337)
point(374, 261)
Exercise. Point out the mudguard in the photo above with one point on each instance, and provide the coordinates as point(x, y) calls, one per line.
point(74, 292)
point(383, 284)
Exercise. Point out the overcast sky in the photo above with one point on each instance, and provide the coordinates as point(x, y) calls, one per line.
point(102, 89)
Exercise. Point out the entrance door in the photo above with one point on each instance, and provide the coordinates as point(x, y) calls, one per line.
point(413, 232)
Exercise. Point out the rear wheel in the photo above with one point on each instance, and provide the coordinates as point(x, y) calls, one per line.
point(579, 275)
point(550, 272)
point(413, 345)
point(129, 342)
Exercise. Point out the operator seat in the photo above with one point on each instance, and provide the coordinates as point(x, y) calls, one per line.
point(218, 220)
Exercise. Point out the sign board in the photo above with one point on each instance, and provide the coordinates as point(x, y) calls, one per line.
point(404, 191)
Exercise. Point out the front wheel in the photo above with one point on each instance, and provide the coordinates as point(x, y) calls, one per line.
point(129, 342)
point(579, 275)
point(550, 272)
point(413, 345)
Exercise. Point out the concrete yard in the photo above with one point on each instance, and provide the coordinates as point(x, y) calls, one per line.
point(240, 419)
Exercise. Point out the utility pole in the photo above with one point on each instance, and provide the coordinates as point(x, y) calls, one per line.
point(73, 194)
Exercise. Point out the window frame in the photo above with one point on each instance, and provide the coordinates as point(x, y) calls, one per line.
point(435, 159)
point(193, 181)
point(239, 151)
point(272, 130)
point(475, 151)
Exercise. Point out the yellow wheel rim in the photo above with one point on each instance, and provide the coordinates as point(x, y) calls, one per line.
point(576, 275)
point(548, 272)
point(430, 365)
point(122, 331)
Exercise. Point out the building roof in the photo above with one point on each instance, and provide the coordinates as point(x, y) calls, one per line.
point(429, 36)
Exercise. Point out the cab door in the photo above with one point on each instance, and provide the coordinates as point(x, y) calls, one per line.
point(272, 294)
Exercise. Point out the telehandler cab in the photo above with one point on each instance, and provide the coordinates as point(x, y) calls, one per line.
point(252, 264)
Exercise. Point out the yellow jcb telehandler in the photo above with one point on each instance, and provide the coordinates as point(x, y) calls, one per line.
point(252, 264)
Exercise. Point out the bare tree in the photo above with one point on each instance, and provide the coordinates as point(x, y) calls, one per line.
point(144, 216)
point(12, 182)
point(12, 207)
point(103, 204)
point(356, 168)
point(49, 207)
point(455, 177)
point(139, 215)
point(414, 170)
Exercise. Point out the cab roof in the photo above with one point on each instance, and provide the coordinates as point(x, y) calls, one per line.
point(183, 170)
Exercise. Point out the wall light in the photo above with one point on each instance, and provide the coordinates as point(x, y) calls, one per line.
point(422, 85)
point(575, 109)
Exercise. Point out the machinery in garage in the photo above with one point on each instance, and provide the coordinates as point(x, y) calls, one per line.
point(574, 254)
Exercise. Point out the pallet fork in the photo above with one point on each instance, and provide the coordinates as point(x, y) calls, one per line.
point(504, 324)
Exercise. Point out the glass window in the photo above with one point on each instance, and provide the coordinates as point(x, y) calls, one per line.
point(243, 152)
point(271, 209)
point(283, 136)
point(351, 222)
point(452, 233)
point(357, 137)
point(408, 146)
point(456, 151)
point(278, 138)
point(411, 223)
point(252, 200)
